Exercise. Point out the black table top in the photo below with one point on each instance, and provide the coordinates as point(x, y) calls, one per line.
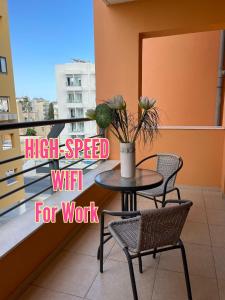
point(143, 180)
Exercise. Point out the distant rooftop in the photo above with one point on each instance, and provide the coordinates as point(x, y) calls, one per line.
point(80, 60)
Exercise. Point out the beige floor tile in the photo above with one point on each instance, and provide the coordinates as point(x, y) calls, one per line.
point(118, 255)
point(173, 195)
point(87, 242)
point(200, 260)
point(70, 273)
point(219, 257)
point(197, 214)
point(217, 234)
point(204, 288)
point(171, 286)
point(221, 284)
point(143, 203)
point(214, 200)
point(114, 283)
point(216, 217)
point(197, 233)
point(38, 293)
point(195, 195)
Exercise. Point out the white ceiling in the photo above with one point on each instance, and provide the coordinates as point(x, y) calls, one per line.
point(110, 2)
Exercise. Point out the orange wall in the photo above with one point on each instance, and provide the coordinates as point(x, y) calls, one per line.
point(202, 163)
point(117, 31)
point(180, 71)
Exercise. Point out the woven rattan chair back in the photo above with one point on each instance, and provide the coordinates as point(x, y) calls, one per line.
point(167, 164)
point(161, 227)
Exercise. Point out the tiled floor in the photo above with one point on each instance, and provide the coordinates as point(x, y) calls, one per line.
point(74, 273)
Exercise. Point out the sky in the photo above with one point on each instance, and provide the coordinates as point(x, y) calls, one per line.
point(44, 33)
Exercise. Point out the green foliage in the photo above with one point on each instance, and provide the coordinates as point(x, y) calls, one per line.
point(31, 132)
point(103, 115)
point(51, 111)
point(26, 105)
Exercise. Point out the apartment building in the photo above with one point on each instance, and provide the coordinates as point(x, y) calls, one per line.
point(75, 94)
point(56, 110)
point(9, 139)
point(33, 110)
point(41, 107)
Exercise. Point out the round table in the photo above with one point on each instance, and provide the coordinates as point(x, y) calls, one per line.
point(143, 180)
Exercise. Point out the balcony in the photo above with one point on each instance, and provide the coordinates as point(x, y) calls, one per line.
point(71, 269)
point(57, 260)
point(73, 272)
point(7, 117)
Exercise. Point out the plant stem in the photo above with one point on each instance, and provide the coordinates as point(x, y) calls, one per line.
point(122, 126)
point(126, 122)
point(115, 134)
point(120, 137)
point(139, 125)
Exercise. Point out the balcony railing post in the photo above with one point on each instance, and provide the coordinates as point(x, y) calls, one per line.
point(54, 133)
point(53, 165)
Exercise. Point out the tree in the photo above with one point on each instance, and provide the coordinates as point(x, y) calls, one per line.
point(31, 132)
point(51, 111)
point(26, 106)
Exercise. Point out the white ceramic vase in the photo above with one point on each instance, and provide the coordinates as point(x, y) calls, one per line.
point(127, 159)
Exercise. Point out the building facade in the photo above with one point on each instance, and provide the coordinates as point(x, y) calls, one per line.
point(9, 139)
point(41, 107)
point(33, 110)
point(75, 94)
point(56, 110)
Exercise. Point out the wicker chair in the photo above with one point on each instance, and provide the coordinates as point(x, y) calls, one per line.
point(168, 165)
point(149, 231)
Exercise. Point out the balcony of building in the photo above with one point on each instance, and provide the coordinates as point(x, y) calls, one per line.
point(63, 264)
point(58, 261)
point(73, 273)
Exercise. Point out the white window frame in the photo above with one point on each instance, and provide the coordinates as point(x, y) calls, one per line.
point(75, 98)
point(77, 127)
point(2, 99)
point(74, 80)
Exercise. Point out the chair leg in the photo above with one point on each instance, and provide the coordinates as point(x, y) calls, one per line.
point(98, 253)
point(131, 270)
point(101, 252)
point(178, 194)
point(104, 241)
point(140, 264)
point(122, 202)
point(156, 204)
point(135, 201)
point(186, 273)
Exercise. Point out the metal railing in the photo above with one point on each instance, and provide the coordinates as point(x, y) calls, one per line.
point(53, 163)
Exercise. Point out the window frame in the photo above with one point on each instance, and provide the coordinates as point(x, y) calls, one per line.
point(3, 139)
point(12, 180)
point(7, 98)
point(73, 80)
point(6, 67)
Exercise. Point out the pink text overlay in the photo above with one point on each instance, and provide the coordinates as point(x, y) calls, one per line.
point(88, 148)
point(67, 180)
point(70, 213)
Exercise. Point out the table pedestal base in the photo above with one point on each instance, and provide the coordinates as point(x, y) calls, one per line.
point(128, 201)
